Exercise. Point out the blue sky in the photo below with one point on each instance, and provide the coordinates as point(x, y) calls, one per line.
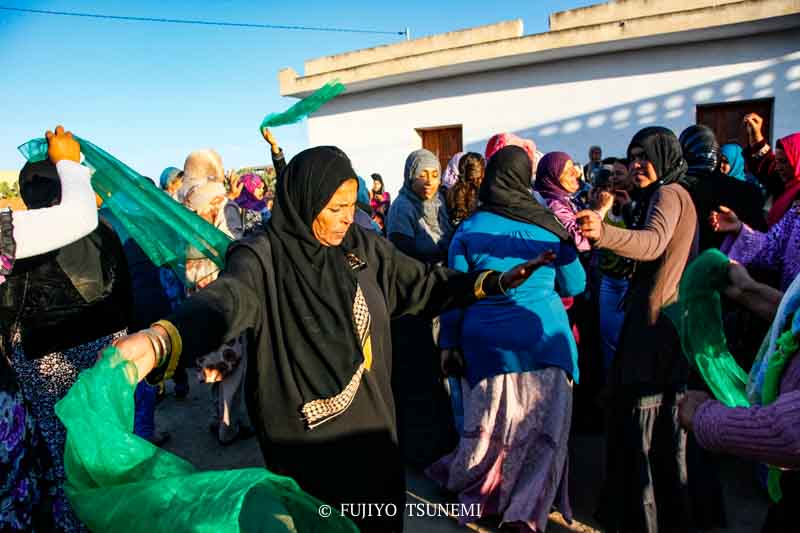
point(151, 93)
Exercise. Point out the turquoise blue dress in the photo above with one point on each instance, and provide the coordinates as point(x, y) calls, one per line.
point(528, 329)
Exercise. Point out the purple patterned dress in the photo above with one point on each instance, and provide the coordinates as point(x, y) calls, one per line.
point(26, 477)
point(778, 250)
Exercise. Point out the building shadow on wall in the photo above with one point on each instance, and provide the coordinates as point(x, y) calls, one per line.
point(613, 127)
point(578, 69)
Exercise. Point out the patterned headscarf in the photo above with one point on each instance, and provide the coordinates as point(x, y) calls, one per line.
point(700, 149)
point(201, 166)
point(451, 172)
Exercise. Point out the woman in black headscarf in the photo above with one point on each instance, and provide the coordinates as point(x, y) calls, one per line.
point(315, 294)
point(649, 373)
point(711, 189)
point(521, 357)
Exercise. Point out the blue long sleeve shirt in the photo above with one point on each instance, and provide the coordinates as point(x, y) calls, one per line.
point(527, 329)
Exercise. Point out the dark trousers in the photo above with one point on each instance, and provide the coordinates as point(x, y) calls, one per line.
point(144, 398)
point(646, 479)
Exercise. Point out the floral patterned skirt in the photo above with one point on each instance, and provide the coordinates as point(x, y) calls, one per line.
point(44, 381)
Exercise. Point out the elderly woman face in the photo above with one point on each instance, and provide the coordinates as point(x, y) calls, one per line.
point(569, 177)
point(427, 183)
point(331, 224)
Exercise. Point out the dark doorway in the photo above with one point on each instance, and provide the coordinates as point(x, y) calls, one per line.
point(726, 119)
point(444, 141)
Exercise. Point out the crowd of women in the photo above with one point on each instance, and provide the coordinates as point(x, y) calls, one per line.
point(462, 327)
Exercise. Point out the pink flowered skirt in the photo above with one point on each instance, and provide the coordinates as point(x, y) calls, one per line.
point(512, 458)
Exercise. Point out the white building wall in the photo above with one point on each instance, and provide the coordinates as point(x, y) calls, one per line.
point(566, 105)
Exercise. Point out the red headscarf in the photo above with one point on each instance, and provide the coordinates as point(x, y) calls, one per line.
point(791, 146)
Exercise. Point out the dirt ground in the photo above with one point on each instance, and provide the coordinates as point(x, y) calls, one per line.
point(187, 421)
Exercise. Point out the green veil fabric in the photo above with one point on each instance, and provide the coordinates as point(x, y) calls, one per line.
point(118, 482)
point(304, 107)
point(162, 227)
point(697, 315)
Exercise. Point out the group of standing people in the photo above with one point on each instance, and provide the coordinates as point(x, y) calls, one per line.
point(338, 339)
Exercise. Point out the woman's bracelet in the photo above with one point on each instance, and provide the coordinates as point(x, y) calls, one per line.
point(159, 345)
point(500, 284)
point(480, 294)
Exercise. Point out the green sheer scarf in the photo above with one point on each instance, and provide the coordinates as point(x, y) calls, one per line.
point(118, 482)
point(162, 227)
point(697, 315)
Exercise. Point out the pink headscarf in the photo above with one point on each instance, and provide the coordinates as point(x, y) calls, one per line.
point(501, 140)
point(451, 172)
point(791, 146)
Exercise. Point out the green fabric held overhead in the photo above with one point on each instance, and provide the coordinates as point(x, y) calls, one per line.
point(698, 318)
point(304, 107)
point(162, 227)
point(118, 482)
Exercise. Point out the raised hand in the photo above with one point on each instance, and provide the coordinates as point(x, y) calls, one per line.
point(601, 200)
point(236, 185)
point(511, 279)
point(754, 124)
point(725, 221)
point(61, 146)
point(271, 140)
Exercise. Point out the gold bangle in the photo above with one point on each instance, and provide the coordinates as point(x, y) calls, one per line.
point(480, 294)
point(176, 346)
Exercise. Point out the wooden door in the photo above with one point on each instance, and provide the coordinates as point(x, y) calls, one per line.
point(444, 142)
point(726, 119)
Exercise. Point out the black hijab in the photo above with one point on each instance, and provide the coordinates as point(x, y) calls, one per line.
point(315, 284)
point(39, 185)
point(505, 190)
point(662, 149)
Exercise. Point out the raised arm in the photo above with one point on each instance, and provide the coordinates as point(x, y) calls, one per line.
point(43, 230)
point(759, 157)
point(646, 244)
point(278, 161)
point(412, 287)
point(230, 305)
